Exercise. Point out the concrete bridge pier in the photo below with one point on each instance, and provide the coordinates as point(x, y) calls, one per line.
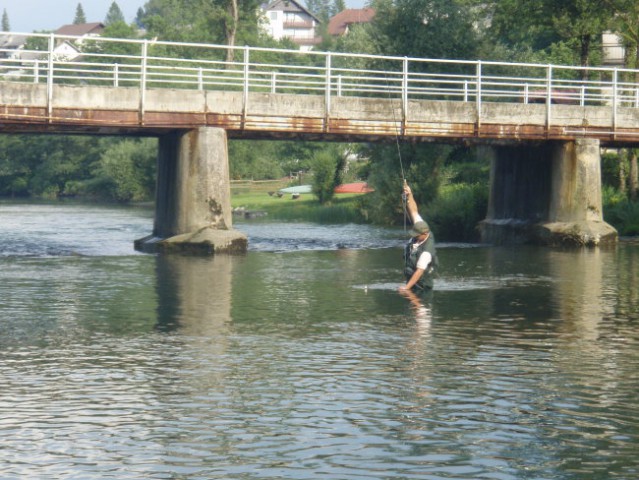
point(547, 194)
point(193, 199)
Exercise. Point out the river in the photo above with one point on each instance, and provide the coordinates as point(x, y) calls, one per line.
point(300, 360)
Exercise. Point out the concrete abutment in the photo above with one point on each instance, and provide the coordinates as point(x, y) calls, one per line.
point(548, 194)
point(193, 199)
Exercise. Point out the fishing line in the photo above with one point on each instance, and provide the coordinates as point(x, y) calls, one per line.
point(399, 153)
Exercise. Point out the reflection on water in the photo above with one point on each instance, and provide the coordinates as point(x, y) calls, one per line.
point(307, 362)
point(194, 294)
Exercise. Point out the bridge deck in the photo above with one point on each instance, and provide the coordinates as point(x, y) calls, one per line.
point(109, 110)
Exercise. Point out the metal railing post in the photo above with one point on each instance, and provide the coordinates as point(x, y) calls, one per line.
point(116, 75)
point(143, 74)
point(36, 71)
point(50, 76)
point(327, 92)
point(274, 82)
point(615, 100)
point(548, 96)
point(245, 86)
point(478, 98)
point(404, 94)
point(200, 79)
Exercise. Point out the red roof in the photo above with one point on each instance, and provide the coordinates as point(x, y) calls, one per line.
point(81, 29)
point(338, 25)
point(357, 187)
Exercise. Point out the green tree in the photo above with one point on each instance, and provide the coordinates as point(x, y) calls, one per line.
point(254, 159)
point(15, 168)
point(114, 15)
point(325, 174)
point(58, 163)
point(80, 17)
point(580, 20)
point(219, 21)
point(517, 24)
point(425, 28)
point(547, 27)
point(139, 18)
point(6, 27)
point(322, 9)
point(126, 171)
point(421, 165)
point(118, 30)
point(360, 39)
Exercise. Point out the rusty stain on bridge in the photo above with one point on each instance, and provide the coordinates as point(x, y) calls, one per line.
point(26, 108)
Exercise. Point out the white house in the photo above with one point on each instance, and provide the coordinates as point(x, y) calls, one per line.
point(289, 19)
point(11, 45)
point(81, 30)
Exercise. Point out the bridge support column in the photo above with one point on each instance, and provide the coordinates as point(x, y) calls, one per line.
point(193, 200)
point(548, 194)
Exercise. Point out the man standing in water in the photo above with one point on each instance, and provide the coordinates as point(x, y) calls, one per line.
point(419, 255)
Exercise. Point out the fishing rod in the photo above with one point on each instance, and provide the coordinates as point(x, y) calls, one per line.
point(399, 155)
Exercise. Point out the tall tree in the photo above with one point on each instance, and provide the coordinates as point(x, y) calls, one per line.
point(517, 24)
point(114, 15)
point(80, 17)
point(139, 17)
point(425, 28)
point(5, 21)
point(547, 27)
point(210, 21)
point(580, 20)
point(322, 9)
point(625, 23)
point(230, 25)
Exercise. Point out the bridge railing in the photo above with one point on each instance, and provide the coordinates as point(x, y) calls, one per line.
point(143, 64)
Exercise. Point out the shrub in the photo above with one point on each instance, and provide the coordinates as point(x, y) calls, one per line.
point(624, 216)
point(323, 165)
point(455, 213)
point(611, 196)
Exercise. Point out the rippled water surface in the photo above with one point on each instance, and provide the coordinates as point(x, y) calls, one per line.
point(301, 360)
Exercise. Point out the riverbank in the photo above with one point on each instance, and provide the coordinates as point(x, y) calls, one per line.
point(259, 199)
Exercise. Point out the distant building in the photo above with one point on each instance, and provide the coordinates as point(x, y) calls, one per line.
point(11, 45)
point(341, 23)
point(82, 30)
point(66, 52)
point(289, 19)
point(614, 52)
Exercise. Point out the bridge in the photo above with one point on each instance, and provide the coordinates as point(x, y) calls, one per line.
point(544, 124)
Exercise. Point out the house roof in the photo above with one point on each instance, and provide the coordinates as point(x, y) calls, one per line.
point(338, 25)
point(289, 6)
point(10, 40)
point(81, 29)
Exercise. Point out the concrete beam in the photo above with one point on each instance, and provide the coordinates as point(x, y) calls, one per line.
point(193, 197)
point(114, 111)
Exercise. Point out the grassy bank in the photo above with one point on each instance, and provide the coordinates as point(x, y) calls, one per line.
point(344, 208)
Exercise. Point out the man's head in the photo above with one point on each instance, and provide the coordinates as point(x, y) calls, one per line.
point(420, 228)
